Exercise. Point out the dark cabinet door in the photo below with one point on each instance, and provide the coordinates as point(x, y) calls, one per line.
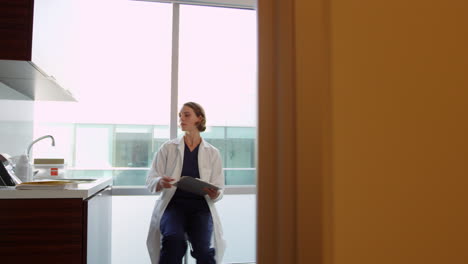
point(41, 231)
point(16, 29)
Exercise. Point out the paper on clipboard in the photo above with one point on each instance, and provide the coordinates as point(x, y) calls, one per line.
point(194, 185)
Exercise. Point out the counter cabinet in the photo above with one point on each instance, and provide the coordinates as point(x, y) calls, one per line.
point(64, 230)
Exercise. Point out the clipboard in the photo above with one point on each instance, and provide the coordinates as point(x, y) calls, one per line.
point(194, 185)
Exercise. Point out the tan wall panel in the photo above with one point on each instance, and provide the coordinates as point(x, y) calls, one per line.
point(293, 129)
point(312, 131)
point(400, 147)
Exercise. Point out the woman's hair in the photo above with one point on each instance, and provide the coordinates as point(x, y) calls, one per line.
point(199, 112)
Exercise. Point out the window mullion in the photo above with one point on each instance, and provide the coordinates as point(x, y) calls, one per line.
point(174, 70)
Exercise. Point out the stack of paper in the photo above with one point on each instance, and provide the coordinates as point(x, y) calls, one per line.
point(47, 185)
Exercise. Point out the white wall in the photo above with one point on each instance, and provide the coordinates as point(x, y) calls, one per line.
point(131, 217)
point(16, 121)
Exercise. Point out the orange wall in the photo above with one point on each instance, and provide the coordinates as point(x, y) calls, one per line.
point(399, 90)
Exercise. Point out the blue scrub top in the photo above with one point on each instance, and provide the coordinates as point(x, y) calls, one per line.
point(189, 168)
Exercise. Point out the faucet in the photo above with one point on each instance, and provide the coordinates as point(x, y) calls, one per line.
point(28, 152)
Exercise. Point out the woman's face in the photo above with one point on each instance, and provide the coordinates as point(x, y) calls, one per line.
point(188, 119)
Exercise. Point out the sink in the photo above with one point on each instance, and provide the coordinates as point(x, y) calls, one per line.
point(72, 180)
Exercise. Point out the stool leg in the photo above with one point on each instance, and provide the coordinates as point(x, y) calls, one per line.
point(186, 257)
point(189, 248)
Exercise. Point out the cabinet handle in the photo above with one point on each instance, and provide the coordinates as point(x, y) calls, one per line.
point(104, 190)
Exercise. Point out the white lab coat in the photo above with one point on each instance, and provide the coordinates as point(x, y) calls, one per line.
point(168, 162)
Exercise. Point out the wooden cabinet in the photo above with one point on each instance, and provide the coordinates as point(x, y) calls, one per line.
point(51, 231)
point(16, 29)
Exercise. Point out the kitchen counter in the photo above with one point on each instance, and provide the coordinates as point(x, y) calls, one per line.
point(83, 191)
point(70, 226)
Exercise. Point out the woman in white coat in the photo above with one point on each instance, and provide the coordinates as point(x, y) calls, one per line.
point(179, 215)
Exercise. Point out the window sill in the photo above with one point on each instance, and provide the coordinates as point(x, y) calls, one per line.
point(141, 190)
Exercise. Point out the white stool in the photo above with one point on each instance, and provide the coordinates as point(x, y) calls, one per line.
point(187, 253)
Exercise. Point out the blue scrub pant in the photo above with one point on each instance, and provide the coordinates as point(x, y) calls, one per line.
point(186, 217)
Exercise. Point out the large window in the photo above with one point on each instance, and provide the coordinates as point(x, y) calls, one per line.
point(128, 71)
point(217, 67)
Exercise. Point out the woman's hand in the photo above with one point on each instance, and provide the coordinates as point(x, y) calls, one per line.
point(212, 193)
point(164, 182)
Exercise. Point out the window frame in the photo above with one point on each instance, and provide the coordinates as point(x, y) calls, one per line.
point(240, 4)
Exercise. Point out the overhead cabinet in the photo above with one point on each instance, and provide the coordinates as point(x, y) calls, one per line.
point(16, 28)
point(18, 71)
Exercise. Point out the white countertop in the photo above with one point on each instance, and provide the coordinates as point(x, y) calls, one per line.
point(84, 190)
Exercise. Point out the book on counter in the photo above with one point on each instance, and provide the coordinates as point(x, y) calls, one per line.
point(47, 185)
point(194, 185)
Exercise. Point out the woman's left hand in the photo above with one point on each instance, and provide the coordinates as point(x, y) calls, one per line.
point(212, 193)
